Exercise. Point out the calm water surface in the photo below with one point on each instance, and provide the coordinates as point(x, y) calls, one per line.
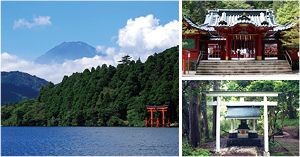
point(99, 141)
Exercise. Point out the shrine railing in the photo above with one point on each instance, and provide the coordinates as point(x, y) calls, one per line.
point(200, 57)
point(288, 57)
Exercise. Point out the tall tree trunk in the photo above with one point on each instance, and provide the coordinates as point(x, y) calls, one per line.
point(194, 116)
point(204, 111)
point(185, 119)
point(291, 112)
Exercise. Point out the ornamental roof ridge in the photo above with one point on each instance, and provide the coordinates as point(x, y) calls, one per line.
point(263, 18)
point(202, 27)
point(240, 10)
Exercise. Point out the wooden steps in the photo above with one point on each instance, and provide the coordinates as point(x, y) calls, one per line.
point(243, 67)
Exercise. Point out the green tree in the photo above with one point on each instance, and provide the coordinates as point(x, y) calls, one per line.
point(237, 5)
point(288, 12)
point(277, 5)
point(291, 37)
point(195, 10)
point(126, 60)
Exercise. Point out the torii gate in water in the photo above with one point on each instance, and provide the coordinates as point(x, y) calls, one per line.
point(157, 109)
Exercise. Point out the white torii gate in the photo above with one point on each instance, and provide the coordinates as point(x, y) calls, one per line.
point(242, 95)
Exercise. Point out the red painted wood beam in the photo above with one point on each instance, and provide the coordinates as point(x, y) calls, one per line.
point(163, 117)
point(165, 107)
point(146, 122)
point(151, 118)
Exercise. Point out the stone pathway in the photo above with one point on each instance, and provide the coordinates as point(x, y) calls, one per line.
point(291, 144)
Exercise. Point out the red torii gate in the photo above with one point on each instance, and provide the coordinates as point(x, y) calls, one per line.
point(157, 109)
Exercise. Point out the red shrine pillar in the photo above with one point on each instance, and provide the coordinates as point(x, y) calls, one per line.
point(278, 50)
point(157, 122)
point(146, 122)
point(184, 58)
point(163, 117)
point(228, 47)
point(258, 48)
point(221, 49)
point(151, 117)
point(184, 66)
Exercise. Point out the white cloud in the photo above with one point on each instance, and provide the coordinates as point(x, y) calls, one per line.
point(99, 49)
point(144, 36)
point(54, 72)
point(37, 21)
point(110, 51)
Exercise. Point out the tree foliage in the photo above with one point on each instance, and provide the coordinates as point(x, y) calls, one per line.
point(195, 10)
point(103, 96)
point(125, 60)
point(290, 38)
point(287, 12)
point(237, 5)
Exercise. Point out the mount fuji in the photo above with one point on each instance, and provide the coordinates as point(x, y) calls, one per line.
point(67, 51)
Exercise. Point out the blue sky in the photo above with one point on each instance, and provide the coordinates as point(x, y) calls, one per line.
point(116, 28)
point(95, 23)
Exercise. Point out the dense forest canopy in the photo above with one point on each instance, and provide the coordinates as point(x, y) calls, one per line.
point(104, 96)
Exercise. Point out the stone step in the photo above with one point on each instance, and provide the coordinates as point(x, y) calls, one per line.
point(242, 63)
point(242, 72)
point(246, 61)
point(243, 67)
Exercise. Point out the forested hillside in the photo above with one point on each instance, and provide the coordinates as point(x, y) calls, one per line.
point(13, 93)
point(104, 96)
point(17, 86)
point(22, 79)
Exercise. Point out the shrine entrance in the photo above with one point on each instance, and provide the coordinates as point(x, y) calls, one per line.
point(214, 51)
point(243, 110)
point(152, 109)
point(243, 47)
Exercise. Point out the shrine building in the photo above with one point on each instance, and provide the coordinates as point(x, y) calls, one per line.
point(235, 34)
point(243, 110)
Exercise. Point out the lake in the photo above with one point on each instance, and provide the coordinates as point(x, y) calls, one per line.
point(91, 141)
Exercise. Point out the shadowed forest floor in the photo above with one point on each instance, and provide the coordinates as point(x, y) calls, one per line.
point(286, 145)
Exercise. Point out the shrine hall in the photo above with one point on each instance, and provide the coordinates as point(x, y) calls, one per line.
point(235, 34)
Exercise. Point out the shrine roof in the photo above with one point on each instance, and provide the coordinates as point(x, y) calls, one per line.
point(231, 17)
point(202, 27)
point(250, 112)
